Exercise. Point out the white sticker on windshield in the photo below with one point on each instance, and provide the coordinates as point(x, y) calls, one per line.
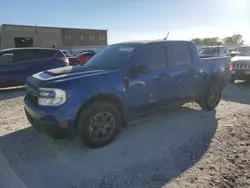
point(123, 49)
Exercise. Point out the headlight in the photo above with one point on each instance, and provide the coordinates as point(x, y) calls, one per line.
point(51, 97)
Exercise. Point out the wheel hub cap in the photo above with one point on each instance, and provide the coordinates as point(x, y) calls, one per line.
point(101, 125)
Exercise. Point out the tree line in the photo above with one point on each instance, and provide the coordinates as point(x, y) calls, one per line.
point(236, 39)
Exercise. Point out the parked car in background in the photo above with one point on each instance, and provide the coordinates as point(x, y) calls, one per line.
point(233, 53)
point(213, 51)
point(81, 58)
point(66, 53)
point(119, 83)
point(19, 63)
point(241, 64)
point(75, 50)
point(199, 47)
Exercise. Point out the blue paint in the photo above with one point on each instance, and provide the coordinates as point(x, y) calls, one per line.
point(109, 72)
point(16, 71)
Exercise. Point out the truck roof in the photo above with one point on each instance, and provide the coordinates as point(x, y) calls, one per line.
point(155, 41)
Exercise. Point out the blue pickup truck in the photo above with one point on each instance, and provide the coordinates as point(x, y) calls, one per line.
point(119, 83)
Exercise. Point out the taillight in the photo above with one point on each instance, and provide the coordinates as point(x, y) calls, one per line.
point(230, 66)
point(64, 59)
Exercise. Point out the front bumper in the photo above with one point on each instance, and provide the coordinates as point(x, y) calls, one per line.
point(48, 120)
point(241, 74)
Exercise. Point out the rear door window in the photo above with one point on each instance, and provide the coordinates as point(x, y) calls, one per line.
point(33, 54)
point(46, 53)
point(24, 55)
point(153, 56)
point(181, 55)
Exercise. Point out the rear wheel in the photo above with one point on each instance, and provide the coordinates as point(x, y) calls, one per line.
point(99, 124)
point(212, 97)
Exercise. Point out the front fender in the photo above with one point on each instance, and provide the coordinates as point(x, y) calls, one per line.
point(100, 91)
point(87, 96)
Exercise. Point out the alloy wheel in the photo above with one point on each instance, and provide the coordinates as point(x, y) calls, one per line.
point(101, 126)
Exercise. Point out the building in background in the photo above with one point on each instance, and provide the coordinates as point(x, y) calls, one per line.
point(15, 36)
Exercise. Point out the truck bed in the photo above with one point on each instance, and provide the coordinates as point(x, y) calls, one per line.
point(218, 64)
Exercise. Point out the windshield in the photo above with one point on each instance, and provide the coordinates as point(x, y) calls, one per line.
point(112, 57)
point(244, 51)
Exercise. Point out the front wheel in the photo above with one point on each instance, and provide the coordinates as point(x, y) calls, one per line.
point(212, 97)
point(99, 124)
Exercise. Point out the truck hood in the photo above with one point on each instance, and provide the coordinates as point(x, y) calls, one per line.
point(64, 73)
point(241, 59)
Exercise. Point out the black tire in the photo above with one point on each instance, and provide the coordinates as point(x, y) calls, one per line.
point(232, 79)
point(212, 97)
point(90, 131)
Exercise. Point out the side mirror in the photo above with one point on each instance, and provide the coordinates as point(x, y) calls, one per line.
point(139, 69)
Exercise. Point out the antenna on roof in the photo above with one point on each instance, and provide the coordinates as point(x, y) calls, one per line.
point(166, 37)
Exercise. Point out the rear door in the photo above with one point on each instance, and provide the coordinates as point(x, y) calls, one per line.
point(187, 76)
point(10, 73)
point(32, 61)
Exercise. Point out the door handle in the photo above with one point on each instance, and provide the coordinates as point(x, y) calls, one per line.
point(138, 83)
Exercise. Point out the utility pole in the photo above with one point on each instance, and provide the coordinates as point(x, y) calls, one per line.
point(166, 37)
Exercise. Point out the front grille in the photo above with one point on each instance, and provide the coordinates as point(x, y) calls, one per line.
point(241, 66)
point(32, 99)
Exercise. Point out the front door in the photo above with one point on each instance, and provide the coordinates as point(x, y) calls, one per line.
point(147, 91)
point(141, 92)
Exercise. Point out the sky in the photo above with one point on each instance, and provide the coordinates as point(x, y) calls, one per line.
point(136, 19)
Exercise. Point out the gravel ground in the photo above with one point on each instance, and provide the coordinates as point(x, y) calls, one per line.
point(180, 147)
